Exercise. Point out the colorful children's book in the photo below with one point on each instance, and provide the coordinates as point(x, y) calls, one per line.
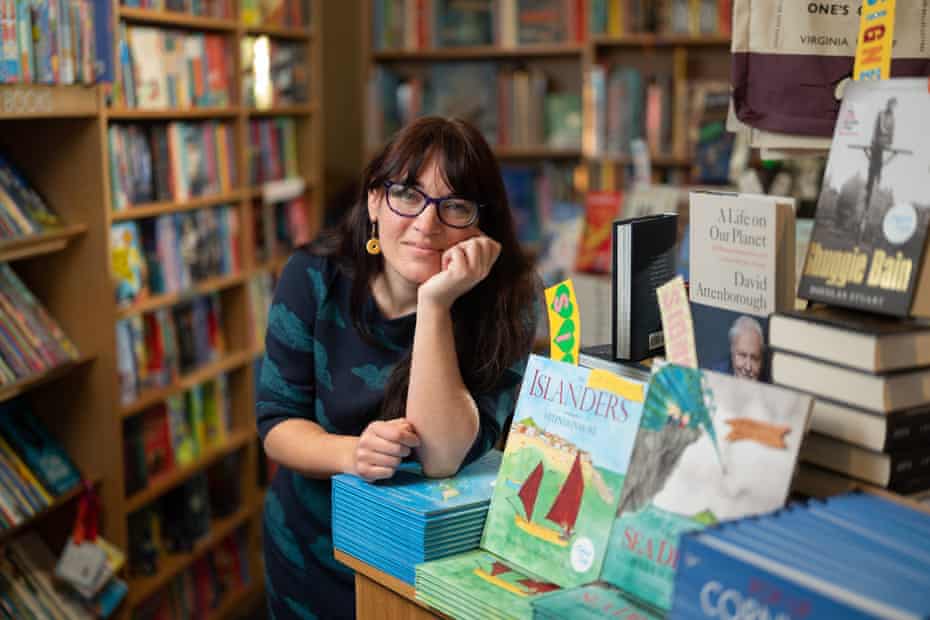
point(710, 448)
point(563, 469)
point(589, 602)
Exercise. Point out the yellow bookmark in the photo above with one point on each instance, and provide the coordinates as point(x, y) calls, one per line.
point(564, 322)
point(876, 37)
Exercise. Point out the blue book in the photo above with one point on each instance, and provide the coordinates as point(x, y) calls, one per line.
point(103, 41)
point(37, 448)
point(412, 492)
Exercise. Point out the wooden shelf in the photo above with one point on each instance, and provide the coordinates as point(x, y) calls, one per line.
point(39, 101)
point(152, 209)
point(658, 161)
point(210, 285)
point(41, 243)
point(57, 503)
point(234, 599)
point(171, 565)
point(168, 114)
point(478, 53)
point(536, 152)
point(157, 487)
point(203, 374)
point(300, 109)
point(16, 388)
point(649, 39)
point(280, 32)
point(176, 18)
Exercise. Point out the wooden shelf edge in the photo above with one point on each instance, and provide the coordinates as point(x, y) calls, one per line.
point(141, 588)
point(388, 581)
point(205, 373)
point(167, 114)
point(42, 243)
point(235, 440)
point(536, 152)
point(152, 209)
point(155, 302)
point(298, 109)
point(16, 388)
point(176, 18)
point(483, 51)
point(45, 101)
point(57, 503)
point(651, 39)
point(279, 32)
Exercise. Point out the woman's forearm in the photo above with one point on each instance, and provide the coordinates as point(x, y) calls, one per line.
point(305, 447)
point(439, 406)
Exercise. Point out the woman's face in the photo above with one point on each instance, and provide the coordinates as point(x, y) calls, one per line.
point(412, 247)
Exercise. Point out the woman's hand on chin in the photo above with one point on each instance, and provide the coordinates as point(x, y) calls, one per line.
point(464, 265)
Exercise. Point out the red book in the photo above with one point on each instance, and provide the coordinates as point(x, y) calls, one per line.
point(156, 441)
point(601, 209)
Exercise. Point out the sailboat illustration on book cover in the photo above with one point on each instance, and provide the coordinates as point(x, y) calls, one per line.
point(563, 469)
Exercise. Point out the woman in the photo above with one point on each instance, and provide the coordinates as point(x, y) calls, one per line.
point(403, 334)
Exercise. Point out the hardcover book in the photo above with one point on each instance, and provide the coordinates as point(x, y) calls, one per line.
point(710, 448)
point(643, 260)
point(563, 469)
point(742, 270)
point(867, 250)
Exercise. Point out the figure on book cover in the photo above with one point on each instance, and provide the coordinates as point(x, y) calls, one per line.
point(382, 352)
point(747, 350)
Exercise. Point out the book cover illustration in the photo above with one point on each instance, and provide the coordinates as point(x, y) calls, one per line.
point(412, 492)
point(480, 584)
point(127, 263)
point(710, 448)
point(588, 602)
point(871, 225)
point(562, 471)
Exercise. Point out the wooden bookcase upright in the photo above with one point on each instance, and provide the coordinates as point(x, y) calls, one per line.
point(58, 136)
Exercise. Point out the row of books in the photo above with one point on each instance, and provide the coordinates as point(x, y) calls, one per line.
point(172, 253)
point(272, 150)
point(23, 211)
point(287, 13)
point(221, 9)
point(274, 72)
point(681, 17)
point(417, 25)
point(163, 68)
point(55, 42)
point(154, 349)
point(175, 433)
point(512, 106)
point(34, 467)
point(170, 161)
point(178, 520)
point(279, 228)
point(261, 292)
point(31, 341)
point(197, 592)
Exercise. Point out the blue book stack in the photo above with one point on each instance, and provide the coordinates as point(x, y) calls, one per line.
point(851, 556)
point(395, 524)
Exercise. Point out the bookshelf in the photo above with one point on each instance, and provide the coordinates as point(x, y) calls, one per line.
point(68, 271)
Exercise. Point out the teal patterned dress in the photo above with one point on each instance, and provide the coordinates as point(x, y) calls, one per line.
point(318, 367)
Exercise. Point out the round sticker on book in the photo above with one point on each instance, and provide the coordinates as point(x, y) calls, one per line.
point(900, 223)
point(582, 557)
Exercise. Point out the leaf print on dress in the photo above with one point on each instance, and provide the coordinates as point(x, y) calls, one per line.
point(281, 535)
point(322, 420)
point(317, 501)
point(320, 362)
point(299, 610)
point(322, 548)
point(288, 328)
point(326, 309)
point(375, 378)
point(273, 382)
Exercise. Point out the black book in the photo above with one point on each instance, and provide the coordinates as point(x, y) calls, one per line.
point(896, 431)
point(855, 339)
point(896, 472)
point(643, 259)
point(602, 356)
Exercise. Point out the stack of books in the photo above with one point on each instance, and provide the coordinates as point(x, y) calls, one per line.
point(395, 524)
point(870, 377)
point(596, 600)
point(868, 367)
point(807, 562)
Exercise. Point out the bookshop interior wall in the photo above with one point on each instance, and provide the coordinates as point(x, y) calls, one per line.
point(728, 400)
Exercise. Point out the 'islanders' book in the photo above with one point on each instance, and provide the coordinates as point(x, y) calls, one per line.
point(867, 250)
point(710, 448)
point(563, 469)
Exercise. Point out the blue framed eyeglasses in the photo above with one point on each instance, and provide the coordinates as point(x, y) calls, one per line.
point(407, 201)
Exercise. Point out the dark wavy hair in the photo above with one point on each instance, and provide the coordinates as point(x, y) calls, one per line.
point(493, 322)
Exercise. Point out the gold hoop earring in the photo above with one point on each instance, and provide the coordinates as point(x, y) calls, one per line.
point(373, 247)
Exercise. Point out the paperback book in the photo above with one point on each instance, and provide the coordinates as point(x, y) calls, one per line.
point(710, 448)
point(563, 470)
